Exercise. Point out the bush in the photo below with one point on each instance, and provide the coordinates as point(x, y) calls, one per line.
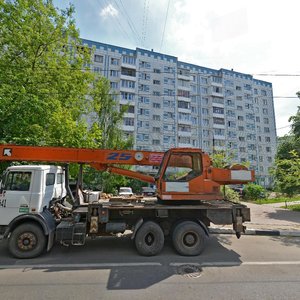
point(230, 194)
point(254, 191)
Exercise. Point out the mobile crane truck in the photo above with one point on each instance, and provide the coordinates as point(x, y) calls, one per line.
point(34, 213)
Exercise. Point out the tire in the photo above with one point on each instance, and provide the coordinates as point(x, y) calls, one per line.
point(189, 238)
point(149, 239)
point(27, 241)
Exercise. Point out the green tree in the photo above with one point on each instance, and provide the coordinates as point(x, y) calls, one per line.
point(43, 86)
point(296, 122)
point(48, 94)
point(286, 145)
point(286, 173)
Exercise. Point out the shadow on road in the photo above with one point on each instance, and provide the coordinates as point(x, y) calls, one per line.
point(287, 215)
point(287, 241)
point(128, 270)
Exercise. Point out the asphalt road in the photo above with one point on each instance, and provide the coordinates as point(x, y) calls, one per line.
point(254, 267)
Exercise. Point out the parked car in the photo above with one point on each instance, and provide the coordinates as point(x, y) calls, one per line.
point(148, 191)
point(238, 188)
point(125, 191)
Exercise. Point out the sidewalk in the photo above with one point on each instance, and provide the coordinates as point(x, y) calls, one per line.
point(268, 219)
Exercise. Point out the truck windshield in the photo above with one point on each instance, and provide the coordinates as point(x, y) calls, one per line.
point(17, 181)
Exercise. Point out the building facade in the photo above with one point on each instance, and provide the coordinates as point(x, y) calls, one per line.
point(177, 104)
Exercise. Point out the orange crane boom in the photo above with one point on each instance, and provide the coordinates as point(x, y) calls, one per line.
point(184, 174)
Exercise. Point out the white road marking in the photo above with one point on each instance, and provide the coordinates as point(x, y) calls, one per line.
point(174, 264)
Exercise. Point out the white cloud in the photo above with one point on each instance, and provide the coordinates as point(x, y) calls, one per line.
point(109, 10)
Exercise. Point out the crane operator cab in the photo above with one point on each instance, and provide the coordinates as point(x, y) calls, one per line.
point(183, 176)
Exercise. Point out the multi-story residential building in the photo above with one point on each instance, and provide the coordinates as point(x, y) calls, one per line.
point(177, 104)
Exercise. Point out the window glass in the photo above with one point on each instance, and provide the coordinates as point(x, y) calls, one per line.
point(183, 167)
point(60, 178)
point(18, 181)
point(50, 179)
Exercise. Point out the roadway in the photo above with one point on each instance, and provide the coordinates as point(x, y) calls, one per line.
point(109, 268)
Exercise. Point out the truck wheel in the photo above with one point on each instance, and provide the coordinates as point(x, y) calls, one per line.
point(149, 239)
point(189, 238)
point(27, 241)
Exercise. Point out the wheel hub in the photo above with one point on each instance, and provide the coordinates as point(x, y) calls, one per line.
point(190, 239)
point(149, 239)
point(27, 241)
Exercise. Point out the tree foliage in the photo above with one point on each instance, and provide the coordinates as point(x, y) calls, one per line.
point(287, 174)
point(253, 191)
point(48, 94)
point(42, 84)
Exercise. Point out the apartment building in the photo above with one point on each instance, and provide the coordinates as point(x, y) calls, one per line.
point(177, 104)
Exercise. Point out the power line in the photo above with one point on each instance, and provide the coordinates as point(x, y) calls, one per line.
point(279, 74)
point(163, 35)
point(129, 21)
point(145, 21)
point(121, 28)
point(134, 93)
point(137, 71)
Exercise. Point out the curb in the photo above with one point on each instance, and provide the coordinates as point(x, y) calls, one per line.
point(261, 232)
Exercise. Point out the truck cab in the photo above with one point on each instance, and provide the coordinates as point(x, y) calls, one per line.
point(28, 189)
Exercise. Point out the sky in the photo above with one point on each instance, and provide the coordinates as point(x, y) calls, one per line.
point(257, 37)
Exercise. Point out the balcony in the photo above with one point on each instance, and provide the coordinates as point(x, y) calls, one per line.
point(185, 122)
point(184, 110)
point(127, 128)
point(185, 77)
point(184, 133)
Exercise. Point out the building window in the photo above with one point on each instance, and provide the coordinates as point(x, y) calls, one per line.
point(156, 81)
point(218, 110)
point(144, 88)
point(156, 117)
point(114, 61)
point(144, 76)
point(156, 129)
point(127, 96)
point(205, 111)
point(219, 121)
point(156, 105)
point(127, 84)
point(113, 85)
point(130, 60)
point(97, 69)
point(113, 73)
point(98, 58)
point(155, 142)
point(128, 72)
point(144, 100)
point(144, 112)
point(182, 93)
point(184, 104)
point(128, 121)
point(145, 65)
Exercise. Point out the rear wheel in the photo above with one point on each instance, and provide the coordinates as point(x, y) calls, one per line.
point(189, 238)
point(27, 241)
point(149, 239)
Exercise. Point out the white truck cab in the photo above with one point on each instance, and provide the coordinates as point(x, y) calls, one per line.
point(25, 194)
point(27, 189)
